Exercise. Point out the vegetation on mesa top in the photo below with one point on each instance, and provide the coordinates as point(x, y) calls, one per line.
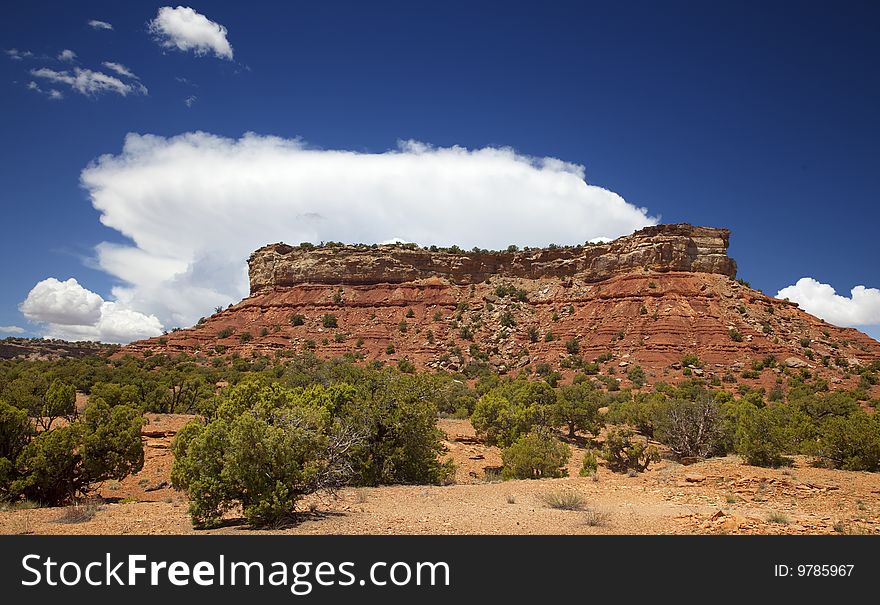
point(308, 424)
point(512, 248)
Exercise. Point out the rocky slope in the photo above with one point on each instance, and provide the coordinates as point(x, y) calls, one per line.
point(646, 299)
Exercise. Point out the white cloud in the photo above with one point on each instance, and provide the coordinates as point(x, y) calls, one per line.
point(11, 330)
point(67, 55)
point(88, 82)
point(185, 29)
point(18, 55)
point(71, 312)
point(119, 68)
point(97, 24)
point(51, 93)
point(190, 100)
point(196, 205)
point(60, 302)
point(861, 308)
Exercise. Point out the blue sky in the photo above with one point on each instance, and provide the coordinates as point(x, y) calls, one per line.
point(757, 116)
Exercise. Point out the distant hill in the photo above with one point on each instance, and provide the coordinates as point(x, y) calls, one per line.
point(40, 348)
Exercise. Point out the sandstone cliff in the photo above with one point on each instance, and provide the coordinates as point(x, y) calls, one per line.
point(646, 299)
point(661, 248)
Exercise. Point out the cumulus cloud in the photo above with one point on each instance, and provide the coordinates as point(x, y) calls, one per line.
point(11, 330)
point(68, 311)
point(861, 308)
point(97, 24)
point(89, 83)
point(67, 55)
point(119, 68)
point(18, 55)
point(196, 205)
point(185, 29)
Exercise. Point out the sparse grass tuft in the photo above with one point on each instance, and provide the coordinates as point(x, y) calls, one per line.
point(564, 500)
point(511, 499)
point(78, 513)
point(596, 518)
point(778, 517)
point(7, 506)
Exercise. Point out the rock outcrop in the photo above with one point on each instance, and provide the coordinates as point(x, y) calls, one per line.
point(661, 248)
point(646, 299)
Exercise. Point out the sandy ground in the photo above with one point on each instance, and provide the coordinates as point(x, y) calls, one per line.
point(720, 495)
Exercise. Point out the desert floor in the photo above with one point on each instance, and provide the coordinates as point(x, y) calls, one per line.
point(717, 496)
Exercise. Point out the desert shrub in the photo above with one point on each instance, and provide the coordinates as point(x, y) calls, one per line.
point(823, 405)
point(573, 346)
point(590, 464)
point(245, 337)
point(763, 435)
point(328, 320)
point(499, 421)
point(622, 453)
point(564, 500)
point(15, 433)
point(43, 401)
point(533, 334)
point(850, 443)
point(57, 465)
point(577, 407)
point(691, 428)
point(735, 335)
point(297, 319)
point(536, 455)
point(637, 376)
point(403, 444)
point(640, 411)
point(511, 409)
point(225, 333)
point(691, 360)
point(265, 462)
point(410, 313)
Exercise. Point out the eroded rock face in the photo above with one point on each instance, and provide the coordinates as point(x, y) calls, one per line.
point(644, 300)
point(661, 248)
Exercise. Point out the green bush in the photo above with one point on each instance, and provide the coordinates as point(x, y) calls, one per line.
point(268, 445)
point(498, 421)
point(577, 407)
point(536, 455)
point(851, 443)
point(590, 464)
point(637, 376)
point(691, 360)
point(328, 320)
point(763, 435)
point(297, 319)
point(622, 453)
point(57, 465)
